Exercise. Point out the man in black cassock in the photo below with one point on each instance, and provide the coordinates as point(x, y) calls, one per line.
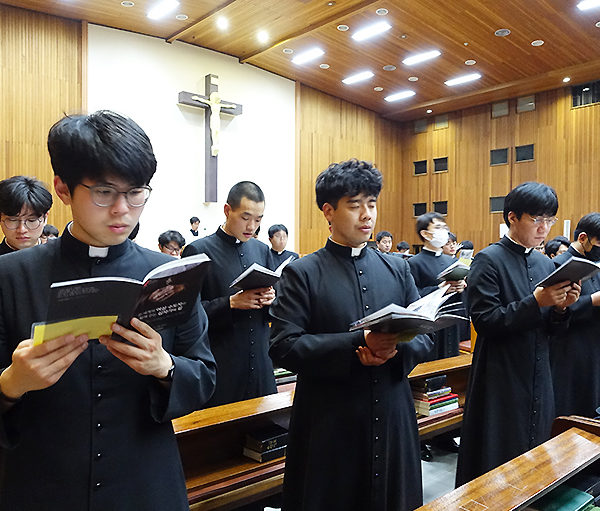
point(238, 321)
point(24, 206)
point(425, 267)
point(353, 440)
point(575, 357)
point(510, 401)
point(85, 424)
point(278, 237)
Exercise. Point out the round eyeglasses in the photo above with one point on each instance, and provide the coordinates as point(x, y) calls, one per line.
point(106, 195)
point(539, 220)
point(31, 224)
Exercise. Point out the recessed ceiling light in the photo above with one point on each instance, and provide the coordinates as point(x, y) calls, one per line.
point(262, 36)
point(324, 66)
point(537, 42)
point(413, 78)
point(377, 89)
point(400, 95)
point(598, 24)
point(428, 111)
point(421, 57)
point(404, 36)
point(307, 56)
point(463, 79)
point(162, 9)
point(381, 12)
point(331, 4)
point(127, 3)
point(287, 51)
point(389, 67)
point(181, 17)
point(358, 77)
point(343, 28)
point(465, 44)
point(502, 32)
point(470, 62)
point(588, 4)
point(222, 23)
point(566, 79)
point(586, 89)
point(371, 31)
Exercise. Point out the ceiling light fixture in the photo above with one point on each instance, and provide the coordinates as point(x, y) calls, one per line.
point(566, 79)
point(598, 24)
point(413, 79)
point(502, 32)
point(377, 89)
point(330, 4)
point(462, 79)
point(389, 67)
point(162, 9)
point(343, 28)
point(381, 12)
point(287, 51)
point(588, 4)
point(262, 36)
point(428, 111)
point(421, 57)
point(358, 77)
point(222, 23)
point(324, 66)
point(127, 3)
point(537, 42)
point(470, 62)
point(307, 56)
point(371, 31)
point(181, 17)
point(400, 95)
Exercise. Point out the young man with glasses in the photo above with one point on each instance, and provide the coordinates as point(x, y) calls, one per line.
point(171, 242)
point(510, 399)
point(24, 206)
point(86, 423)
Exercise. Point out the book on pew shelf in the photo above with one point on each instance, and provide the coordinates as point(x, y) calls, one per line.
point(429, 384)
point(426, 315)
point(261, 457)
point(424, 406)
point(430, 403)
point(427, 410)
point(425, 421)
point(267, 438)
point(432, 394)
point(165, 297)
point(572, 270)
point(441, 409)
point(563, 498)
point(257, 276)
point(456, 271)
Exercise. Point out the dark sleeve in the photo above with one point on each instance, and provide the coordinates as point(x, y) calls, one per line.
point(489, 314)
point(195, 371)
point(219, 312)
point(324, 355)
point(419, 278)
point(189, 250)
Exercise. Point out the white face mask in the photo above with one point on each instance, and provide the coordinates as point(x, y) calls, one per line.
point(440, 238)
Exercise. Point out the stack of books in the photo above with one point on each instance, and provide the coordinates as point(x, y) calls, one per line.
point(432, 396)
point(266, 444)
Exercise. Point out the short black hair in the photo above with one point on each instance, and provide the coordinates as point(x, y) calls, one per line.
point(243, 189)
point(194, 219)
point(466, 245)
point(424, 220)
point(49, 230)
point(590, 224)
point(168, 236)
point(403, 245)
point(382, 234)
point(347, 179)
point(100, 145)
point(274, 229)
point(451, 236)
point(20, 191)
point(536, 199)
point(552, 246)
point(133, 234)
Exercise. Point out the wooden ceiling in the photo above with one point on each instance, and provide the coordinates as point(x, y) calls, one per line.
point(461, 29)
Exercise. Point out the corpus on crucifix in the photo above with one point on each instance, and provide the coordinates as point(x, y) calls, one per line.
point(214, 106)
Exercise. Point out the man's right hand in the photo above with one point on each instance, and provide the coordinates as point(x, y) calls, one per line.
point(252, 298)
point(381, 344)
point(39, 367)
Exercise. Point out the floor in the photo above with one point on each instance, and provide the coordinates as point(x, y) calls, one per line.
point(438, 474)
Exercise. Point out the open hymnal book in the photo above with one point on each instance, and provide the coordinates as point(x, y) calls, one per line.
point(427, 314)
point(257, 276)
point(572, 270)
point(458, 270)
point(90, 306)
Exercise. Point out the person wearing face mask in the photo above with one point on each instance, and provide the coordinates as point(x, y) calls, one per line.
point(578, 351)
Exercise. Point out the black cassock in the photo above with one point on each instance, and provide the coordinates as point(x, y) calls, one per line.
point(5, 249)
point(425, 267)
point(575, 357)
point(277, 258)
point(239, 339)
point(353, 441)
point(510, 401)
point(101, 437)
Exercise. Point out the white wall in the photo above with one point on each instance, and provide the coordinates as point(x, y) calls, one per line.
point(141, 76)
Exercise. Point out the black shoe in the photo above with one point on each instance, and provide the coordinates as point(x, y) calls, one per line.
point(447, 444)
point(426, 454)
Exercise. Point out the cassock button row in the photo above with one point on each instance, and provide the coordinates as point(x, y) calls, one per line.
point(251, 355)
point(376, 419)
point(242, 254)
point(99, 395)
point(364, 289)
point(360, 272)
point(377, 456)
point(251, 342)
point(97, 485)
point(98, 455)
point(534, 412)
point(375, 380)
point(251, 330)
point(245, 266)
point(252, 369)
point(376, 474)
point(366, 307)
point(531, 279)
point(376, 401)
point(99, 367)
point(98, 426)
point(376, 438)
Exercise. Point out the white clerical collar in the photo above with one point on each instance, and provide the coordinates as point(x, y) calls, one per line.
point(92, 251)
point(354, 251)
point(437, 253)
point(527, 250)
point(236, 240)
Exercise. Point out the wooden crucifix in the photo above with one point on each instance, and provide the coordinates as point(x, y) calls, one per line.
point(211, 102)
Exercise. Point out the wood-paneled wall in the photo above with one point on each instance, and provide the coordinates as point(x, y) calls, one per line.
point(333, 130)
point(41, 63)
point(567, 157)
